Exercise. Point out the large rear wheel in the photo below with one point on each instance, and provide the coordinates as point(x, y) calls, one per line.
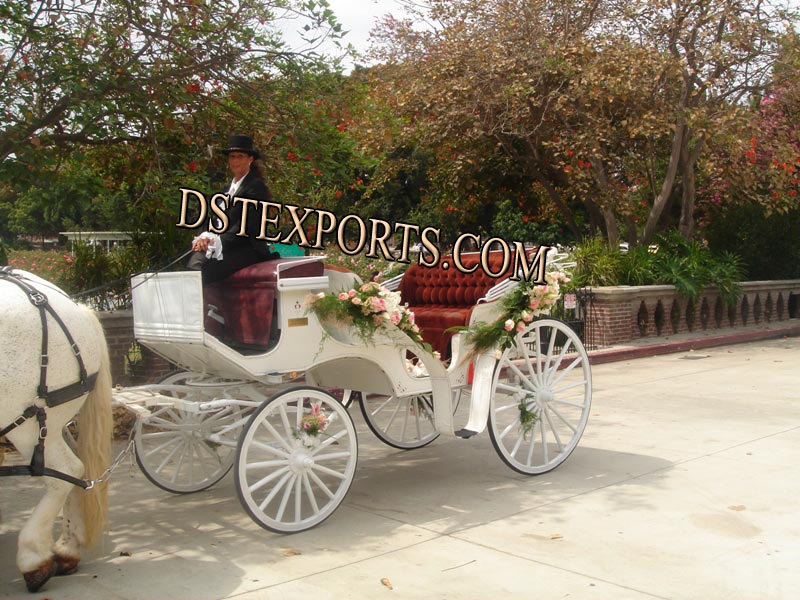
point(184, 451)
point(541, 396)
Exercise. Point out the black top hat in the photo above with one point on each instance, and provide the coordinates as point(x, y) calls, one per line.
point(242, 143)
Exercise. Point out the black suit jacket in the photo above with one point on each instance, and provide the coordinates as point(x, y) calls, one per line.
point(255, 189)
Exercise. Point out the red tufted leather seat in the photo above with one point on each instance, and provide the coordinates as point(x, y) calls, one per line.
point(441, 298)
point(246, 300)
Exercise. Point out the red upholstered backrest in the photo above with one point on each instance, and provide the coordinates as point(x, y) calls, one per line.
point(246, 299)
point(267, 272)
point(422, 286)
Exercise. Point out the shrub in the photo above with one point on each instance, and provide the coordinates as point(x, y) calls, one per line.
point(596, 263)
point(48, 264)
point(688, 265)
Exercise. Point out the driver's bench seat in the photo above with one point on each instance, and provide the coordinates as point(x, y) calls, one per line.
point(240, 309)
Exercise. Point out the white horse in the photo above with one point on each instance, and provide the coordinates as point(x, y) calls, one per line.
point(84, 511)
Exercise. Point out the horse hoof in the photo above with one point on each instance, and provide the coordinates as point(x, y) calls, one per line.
point(35, 579)
point(66, 565)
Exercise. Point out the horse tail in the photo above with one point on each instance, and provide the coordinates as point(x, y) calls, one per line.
point(94, 442)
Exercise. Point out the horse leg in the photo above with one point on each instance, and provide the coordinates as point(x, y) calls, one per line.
point(67, 550)
point(35, 558)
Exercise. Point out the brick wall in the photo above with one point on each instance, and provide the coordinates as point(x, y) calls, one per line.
point(623, 313)
point(128, 367)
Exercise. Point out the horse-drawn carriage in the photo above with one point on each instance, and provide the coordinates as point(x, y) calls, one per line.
point(265, 386)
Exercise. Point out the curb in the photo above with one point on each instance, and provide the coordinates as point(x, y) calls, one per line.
point(597, 357)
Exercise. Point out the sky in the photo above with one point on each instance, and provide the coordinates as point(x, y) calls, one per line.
point(357, 17)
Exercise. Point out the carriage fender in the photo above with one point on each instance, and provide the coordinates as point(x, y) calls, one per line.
point(481, 392)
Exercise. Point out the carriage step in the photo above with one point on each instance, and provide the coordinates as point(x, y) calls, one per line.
point(466, 433)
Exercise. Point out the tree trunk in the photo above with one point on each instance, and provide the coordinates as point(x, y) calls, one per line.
point(663, 197)
point(689, 160)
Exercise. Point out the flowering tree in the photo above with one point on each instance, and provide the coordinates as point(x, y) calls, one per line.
point(110, 106)
point(605, 106)
point(107, 71)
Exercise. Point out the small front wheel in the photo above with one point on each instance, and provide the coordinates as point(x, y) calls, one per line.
point(403, 423)
point(296, 460)
point(541, 396)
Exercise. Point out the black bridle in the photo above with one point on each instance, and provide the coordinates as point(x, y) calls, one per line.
point(51, 398)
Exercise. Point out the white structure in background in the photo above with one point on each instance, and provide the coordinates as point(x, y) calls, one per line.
point(109, 239)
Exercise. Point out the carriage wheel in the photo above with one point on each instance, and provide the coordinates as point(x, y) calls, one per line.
point(287, 479)
point(405, 423)
point(172, 445)
point(541, 395)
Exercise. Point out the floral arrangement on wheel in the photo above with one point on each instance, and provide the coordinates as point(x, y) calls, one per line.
point(311, 426)
point(365, 311)
point(520, 307)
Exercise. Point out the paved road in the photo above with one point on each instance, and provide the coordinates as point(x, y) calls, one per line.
point(685, 485)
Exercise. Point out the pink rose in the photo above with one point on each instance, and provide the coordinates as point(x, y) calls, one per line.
point(351, 293)
point(527, 317)
point(534, 303)
point(356, 301)
point(521, 326)
point(343, 296)
point(508, 325)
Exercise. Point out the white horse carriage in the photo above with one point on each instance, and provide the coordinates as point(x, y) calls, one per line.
point(262, 394)
point(264, 388)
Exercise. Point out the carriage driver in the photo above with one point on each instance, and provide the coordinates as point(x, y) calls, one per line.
point(219, 256)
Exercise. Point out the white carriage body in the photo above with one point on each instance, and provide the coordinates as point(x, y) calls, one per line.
point(248, 406)
point(169, 316)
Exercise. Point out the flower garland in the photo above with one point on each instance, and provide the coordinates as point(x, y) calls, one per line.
point(365, 310)
point(520, 306)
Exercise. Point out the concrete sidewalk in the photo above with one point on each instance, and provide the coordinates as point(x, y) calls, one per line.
point(685, 485)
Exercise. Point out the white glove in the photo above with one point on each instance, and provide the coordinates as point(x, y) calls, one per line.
point(214, 249)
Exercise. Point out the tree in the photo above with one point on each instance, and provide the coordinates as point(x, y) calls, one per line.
point(606, 106)
point(100, 72)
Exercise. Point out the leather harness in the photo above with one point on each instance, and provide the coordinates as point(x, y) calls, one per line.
point(51, 398)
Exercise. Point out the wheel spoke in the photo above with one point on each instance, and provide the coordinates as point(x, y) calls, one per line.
point(515, 422)
point(333, 439)
point(333, 456)
point(169, 456)
point(321, 485)
point(275, 490)
point(544, 440)
point(557, 364)
point(546, 412)
point(298, 498)
point(570, 386)
point(265, 464)
point(561, 417)
point(269, 449)
point(287, 493)
point(527, 382)
point(328, 471)
point(568, 402)
point(180, 463)
point(173, 439)
point(265, 480)
point(567, 370)
point(277, 436)
point(285, 421)
point(310, 494)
